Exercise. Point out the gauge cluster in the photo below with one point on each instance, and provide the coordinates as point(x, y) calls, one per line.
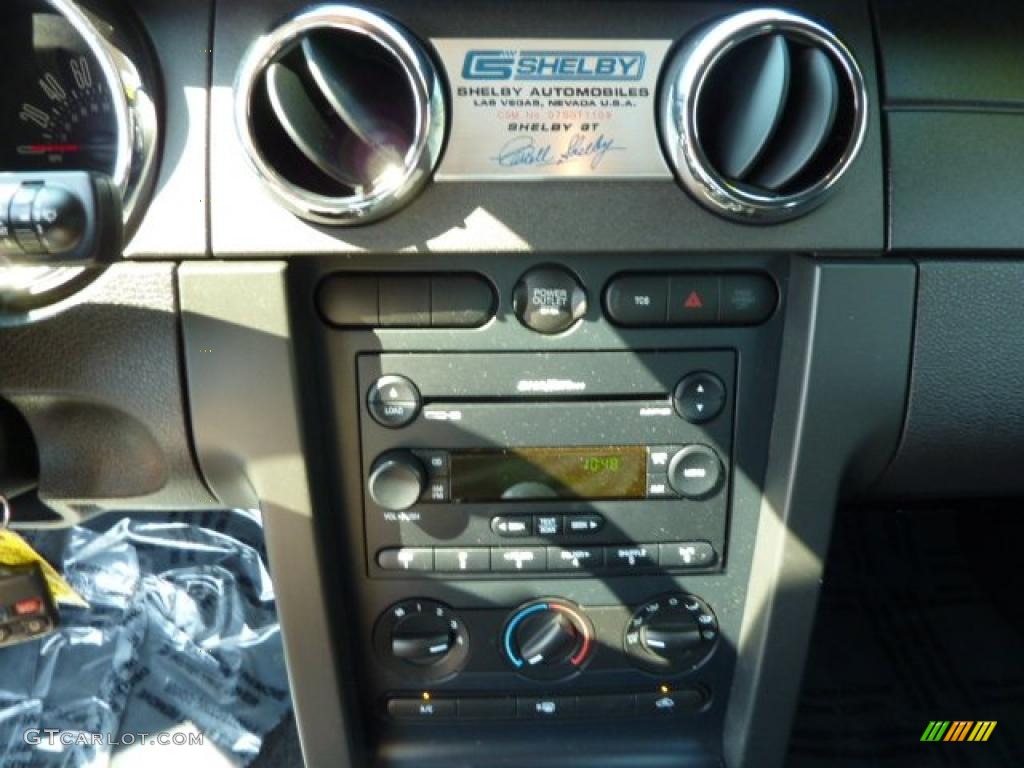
point(82, 95)
point(58, 113)
point(79, 95)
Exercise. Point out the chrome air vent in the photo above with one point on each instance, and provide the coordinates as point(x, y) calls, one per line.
point(761, 114)
point(341, 114)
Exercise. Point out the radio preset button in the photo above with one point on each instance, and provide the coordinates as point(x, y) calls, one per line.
point(547, 525)
point(521, 559)
point(406, 559)
point(635, 557)
point(687, 554)
point(575, 558)
point(393, 401)
point(699, 397)
point(583, 524)
point(695, 472)
point(549, 299)
point(512, 526)
point(470, 560)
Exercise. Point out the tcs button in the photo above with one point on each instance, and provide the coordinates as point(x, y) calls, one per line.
point(549, 299)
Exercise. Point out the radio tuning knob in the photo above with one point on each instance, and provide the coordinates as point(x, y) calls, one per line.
point(397, 480)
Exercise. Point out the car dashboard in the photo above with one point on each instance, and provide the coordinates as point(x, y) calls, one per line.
point(547, 337)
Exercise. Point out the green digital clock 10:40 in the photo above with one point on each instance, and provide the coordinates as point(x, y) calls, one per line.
point(579, 472)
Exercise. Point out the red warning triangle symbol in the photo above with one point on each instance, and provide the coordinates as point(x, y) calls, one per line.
point(693, 301)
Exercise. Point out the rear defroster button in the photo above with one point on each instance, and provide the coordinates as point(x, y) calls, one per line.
point(549, 299)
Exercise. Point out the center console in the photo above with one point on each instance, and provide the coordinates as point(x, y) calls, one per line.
point(553, 513)
point(585, 330)
point(545, 339)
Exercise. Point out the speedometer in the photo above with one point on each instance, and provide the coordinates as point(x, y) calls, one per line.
point(68, 120)
point(76, 98)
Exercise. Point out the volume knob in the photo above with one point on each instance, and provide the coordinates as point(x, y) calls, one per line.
point(397, 480)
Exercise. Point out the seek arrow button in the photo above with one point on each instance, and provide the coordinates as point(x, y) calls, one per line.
point(699, 397)
point(583, 523)
point(512, 526)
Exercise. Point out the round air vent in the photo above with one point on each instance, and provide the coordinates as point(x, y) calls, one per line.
point(762, 113)
point(341, 113)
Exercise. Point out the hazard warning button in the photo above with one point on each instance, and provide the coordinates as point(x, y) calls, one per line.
point(693, 299)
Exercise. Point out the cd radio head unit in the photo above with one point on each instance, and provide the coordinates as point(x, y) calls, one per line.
point(620, 459)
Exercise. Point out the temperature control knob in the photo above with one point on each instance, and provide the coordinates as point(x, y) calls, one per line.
point(672, 635)
point(548, 639)
point(422, 637)
point(397, 479)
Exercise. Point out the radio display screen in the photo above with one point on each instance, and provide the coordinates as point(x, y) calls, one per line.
point(536, 474)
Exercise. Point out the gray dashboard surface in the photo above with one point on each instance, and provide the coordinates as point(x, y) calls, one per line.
point(842, 384)
point(175, 224)
point(965, 414)
point(955, 180)
point(245, 407)
point(99, 379)
point(569, 217)
point(947, 52)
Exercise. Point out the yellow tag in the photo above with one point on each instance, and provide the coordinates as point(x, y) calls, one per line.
point(14, 550)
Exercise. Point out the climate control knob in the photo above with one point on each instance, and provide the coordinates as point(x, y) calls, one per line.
point(397, 480)
point(424, 638)
point(548, 639)
point(672, 635)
